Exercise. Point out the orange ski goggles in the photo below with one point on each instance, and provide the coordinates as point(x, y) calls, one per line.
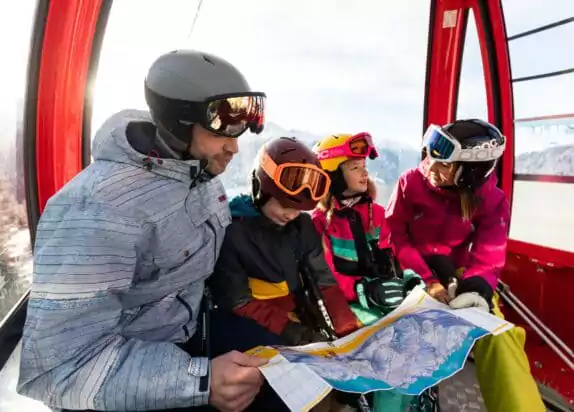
point(293, 178)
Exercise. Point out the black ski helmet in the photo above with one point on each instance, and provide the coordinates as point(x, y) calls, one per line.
point(474, 133)
point(179, 82)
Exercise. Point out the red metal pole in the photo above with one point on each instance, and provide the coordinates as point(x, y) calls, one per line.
point(66, 52)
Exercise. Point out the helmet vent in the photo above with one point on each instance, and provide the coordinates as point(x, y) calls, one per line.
point(284, 152)
point(207, 59)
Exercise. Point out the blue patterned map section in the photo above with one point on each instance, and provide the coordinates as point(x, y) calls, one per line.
point(410, 355)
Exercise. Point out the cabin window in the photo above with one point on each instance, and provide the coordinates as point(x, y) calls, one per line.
point(327, 68)
point(543, 80)
point(472, 101)
point(15, 253)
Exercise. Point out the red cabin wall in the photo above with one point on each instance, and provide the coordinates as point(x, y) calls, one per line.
point(547, 291)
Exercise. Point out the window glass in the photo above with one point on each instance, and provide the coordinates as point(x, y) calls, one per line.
point(326, 67)
point(541, 53)
point(16, 22)
point(542, 214)
point(472, 91)
point(543, 97)
point(545, 146)
point(521, 16)
point(544, 124)
point(542, 210)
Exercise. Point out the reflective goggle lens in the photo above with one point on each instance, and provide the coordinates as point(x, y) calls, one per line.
point(232, 116)
point(294, 178)
point(438, 145)
point(362, 145)
point(359, 146)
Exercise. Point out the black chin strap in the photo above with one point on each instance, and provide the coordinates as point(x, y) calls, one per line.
point(198, 172)
point(164, 147)
point(169, 143)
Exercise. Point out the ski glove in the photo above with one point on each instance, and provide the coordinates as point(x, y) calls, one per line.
point(469, 300)
point(296, 334)
point(383, 294)
point(471, 292)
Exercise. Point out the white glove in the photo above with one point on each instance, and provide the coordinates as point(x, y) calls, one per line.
point(469, 300)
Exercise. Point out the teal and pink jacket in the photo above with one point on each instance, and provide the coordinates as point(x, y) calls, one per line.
point(338, 241)
point(425, 220)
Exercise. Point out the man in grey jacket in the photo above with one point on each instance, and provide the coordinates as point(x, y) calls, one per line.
point(123, 250)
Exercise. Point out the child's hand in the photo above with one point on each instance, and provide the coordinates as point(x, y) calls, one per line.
point(437, 291)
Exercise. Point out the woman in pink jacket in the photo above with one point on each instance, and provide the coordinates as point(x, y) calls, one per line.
point(449, 223)
point(438, 209)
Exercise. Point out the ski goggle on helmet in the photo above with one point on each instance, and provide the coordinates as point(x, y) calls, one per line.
point(443, 147)
point(359, 145)
point(233, 115)
point(293, 178)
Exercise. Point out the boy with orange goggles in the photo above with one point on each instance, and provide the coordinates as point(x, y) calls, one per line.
point(291, 178)
point(271, 246)
point(271, 268)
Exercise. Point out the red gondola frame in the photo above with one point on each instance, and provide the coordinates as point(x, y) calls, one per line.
point(64, 57)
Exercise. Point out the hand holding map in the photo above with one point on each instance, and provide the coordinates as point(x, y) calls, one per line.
point(414, 347)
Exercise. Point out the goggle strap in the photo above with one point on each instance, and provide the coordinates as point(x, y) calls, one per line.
point(268, 165)
point(336, 151)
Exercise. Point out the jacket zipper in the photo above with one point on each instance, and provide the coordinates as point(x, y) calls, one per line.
point(180, 299)
point(186, 305)
point(214, 240)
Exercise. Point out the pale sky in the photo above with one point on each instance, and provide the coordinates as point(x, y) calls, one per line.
point(326, 65)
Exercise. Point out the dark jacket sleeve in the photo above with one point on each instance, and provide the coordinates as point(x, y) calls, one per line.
point(343, 318)
point(230, 287)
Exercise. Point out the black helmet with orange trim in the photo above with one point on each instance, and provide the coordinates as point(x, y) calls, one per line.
point(474, 144)
point(288, 171)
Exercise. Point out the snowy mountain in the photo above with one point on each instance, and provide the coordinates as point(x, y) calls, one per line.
point(394, 157)
point(538, 139)
point(556, 160)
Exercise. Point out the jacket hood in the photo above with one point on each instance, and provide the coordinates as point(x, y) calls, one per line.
point(243, 206)
point(111, 144)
